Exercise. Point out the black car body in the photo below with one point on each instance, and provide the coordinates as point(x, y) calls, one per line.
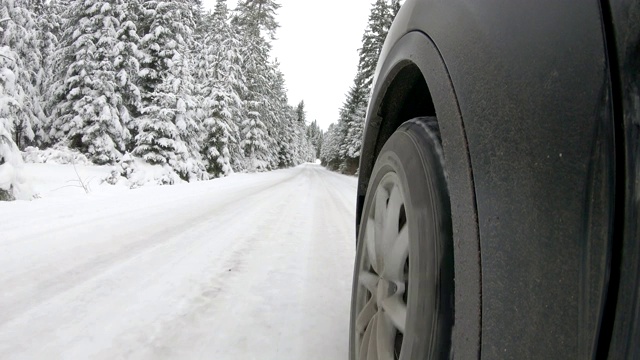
point(538, 108)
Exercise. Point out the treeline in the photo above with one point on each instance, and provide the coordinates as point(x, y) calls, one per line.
point(165, 81)
point(342, 141)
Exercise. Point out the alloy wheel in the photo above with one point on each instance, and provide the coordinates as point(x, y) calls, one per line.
point(381, 303)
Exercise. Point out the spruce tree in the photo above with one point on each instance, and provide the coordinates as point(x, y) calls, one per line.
point(395, 8)
point(352, 114)
point(330, 154)
point(278, 117)
point(168, 132)
point(220, 103)
point(49, 23)
point(257, 16)
point(315, 135)
point(376, 32)
point(127, 57)
point(89, 114)
point(20, 37)
point(256, 141)
point(11, 105)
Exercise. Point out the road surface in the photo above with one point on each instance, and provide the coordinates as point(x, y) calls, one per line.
point(253, 266)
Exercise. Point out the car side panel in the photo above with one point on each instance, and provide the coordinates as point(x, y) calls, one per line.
point(623, 38)
point(533, 87)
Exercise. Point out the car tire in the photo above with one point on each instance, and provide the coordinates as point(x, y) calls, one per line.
point(403, 288)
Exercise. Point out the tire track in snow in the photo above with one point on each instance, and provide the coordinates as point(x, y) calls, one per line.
point(94, 267)
point(286, 295)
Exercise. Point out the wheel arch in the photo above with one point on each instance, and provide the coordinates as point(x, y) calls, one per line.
point(413, 81)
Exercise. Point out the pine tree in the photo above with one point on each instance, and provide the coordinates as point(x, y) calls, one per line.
point(315, 135)
point(221, 80)
point(301, 115)
point(278, 117)
point(330, 154)
point(11, 105)
point(90, 113)
point(395, 8)
point(168, 132)
point(258, 16)
point(353, 112)
point(265, 105)
point(255, 141)
point(49, 23)
point(19, 34)
point(352, 116)
point(127, 57)
point(378, 26)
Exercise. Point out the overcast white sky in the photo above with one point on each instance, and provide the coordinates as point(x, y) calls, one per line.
point(317, 46)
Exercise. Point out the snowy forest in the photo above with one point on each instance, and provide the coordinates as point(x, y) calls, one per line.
point(341, 144)
point(163, 82)
point(166, 84)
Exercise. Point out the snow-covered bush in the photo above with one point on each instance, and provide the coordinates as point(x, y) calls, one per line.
point(13, 183)
point(56, 155)
point(134, 172)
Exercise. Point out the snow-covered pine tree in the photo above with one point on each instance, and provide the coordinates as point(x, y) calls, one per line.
point(252, 19)
point(395, 8)
point(255, 138)
point(49, 23)
point(127, 57)
point(221, 81)
point(19, 33)
point(168, 132)
point(378, 26)
point(315, 135)
point(88, 115)
point(11, 182)
point(307, 149)
point(258, 16)
point(287, 140)
point(304, 149)
point(351, 122)
point(278, 116)
point(353, 112)
point(330, 154)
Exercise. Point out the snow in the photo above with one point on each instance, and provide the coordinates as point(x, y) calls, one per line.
point(12, 178)
point(250, 266)
point(54, 155)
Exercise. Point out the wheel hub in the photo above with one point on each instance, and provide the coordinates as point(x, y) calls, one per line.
point(385, 289)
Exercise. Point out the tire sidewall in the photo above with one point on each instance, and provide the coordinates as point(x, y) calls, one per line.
point(415, 156)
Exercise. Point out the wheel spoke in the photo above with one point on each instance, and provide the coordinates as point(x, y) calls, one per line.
point(372, 351)
point(380, 215)
point(365, 316)
point(370, 281)
point(382, 272)
point(386, 334)
point(396, 257)
point(370, 238)
point(364, 347)
point(392, 217)
point(396, 309)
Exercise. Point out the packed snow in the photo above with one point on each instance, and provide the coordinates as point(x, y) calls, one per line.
point(250, 266)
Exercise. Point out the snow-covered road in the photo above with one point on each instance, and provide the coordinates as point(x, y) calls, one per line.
point(253, 266)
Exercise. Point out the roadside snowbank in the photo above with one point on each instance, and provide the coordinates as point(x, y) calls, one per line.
point(134, 172)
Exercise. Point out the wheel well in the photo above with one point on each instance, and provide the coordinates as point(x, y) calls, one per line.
point(407, 97)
